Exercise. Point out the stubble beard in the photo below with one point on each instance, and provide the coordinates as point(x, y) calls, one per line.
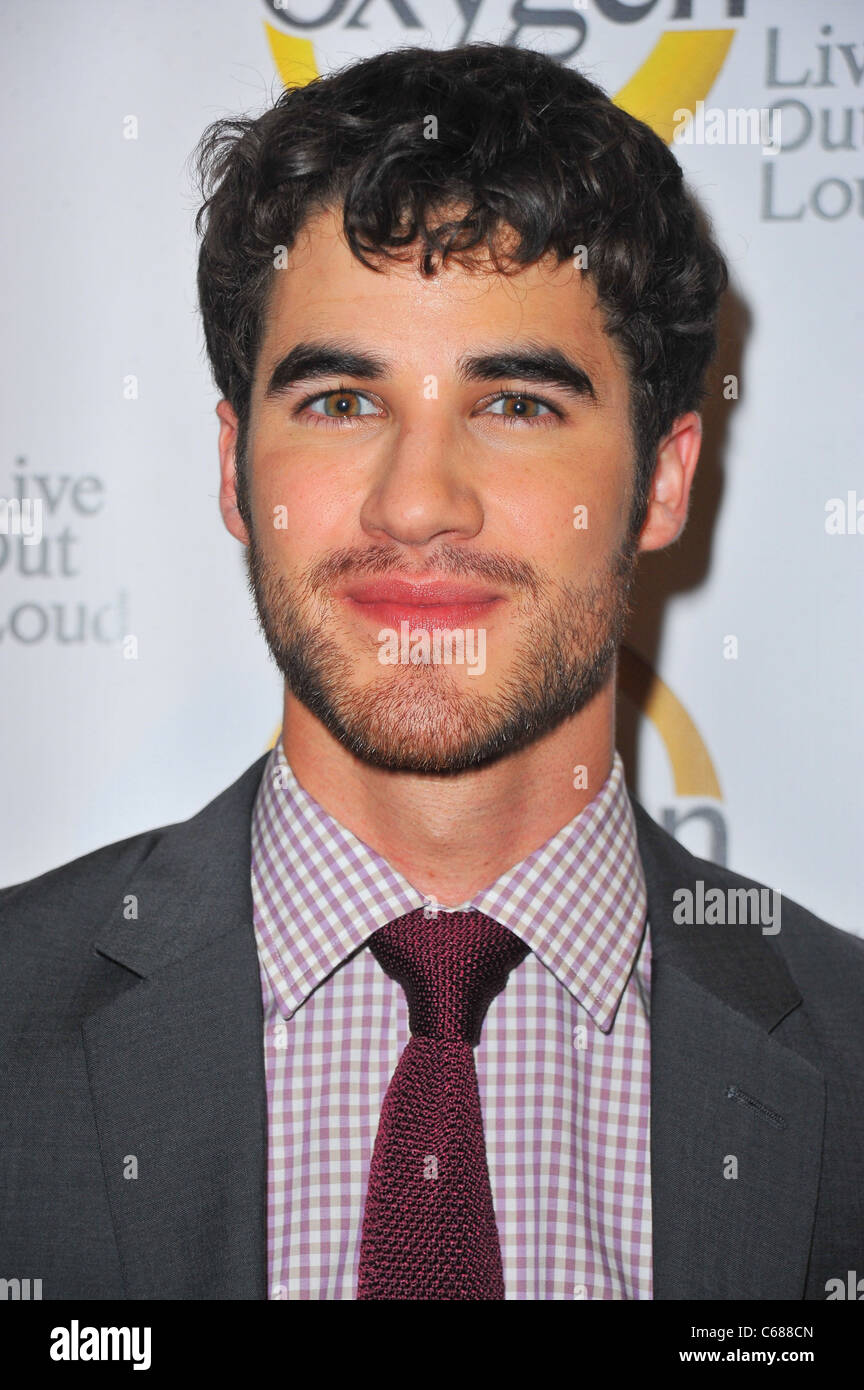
point(418, 718)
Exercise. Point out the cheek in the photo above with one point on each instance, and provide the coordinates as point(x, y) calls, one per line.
point(570, 518)
point(300, 510)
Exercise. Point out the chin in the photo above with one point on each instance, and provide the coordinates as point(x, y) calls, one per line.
point(423, 722)
point(429, 725)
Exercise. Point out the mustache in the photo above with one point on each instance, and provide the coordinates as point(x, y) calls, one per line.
point(352, 562)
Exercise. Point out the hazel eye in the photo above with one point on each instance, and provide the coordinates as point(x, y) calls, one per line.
point(515, 406)
point(341, 405)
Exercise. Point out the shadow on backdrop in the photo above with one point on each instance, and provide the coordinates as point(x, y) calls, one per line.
point(683, 567)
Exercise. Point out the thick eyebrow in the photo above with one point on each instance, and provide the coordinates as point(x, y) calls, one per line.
point(307, 361)
point(544, 365)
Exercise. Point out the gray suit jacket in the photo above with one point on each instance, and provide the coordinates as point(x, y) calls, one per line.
point(141, 1040)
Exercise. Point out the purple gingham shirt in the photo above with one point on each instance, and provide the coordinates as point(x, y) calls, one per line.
point(563, 1064)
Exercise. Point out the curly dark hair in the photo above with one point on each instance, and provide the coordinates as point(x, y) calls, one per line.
point(523, 143)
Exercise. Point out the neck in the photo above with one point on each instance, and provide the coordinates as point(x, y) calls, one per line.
point(453, 836)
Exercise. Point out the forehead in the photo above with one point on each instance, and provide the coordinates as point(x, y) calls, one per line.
point(325, 290)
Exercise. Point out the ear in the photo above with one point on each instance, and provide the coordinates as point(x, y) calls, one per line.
point(228, 429)
point(669, 498)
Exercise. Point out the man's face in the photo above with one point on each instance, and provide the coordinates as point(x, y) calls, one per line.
point(435, 489)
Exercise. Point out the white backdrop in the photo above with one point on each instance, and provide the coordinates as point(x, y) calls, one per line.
point(107, 416)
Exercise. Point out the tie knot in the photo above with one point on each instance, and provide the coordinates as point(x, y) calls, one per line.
point(450, 966)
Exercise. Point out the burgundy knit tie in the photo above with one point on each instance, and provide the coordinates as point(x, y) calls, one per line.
point(429, 1228)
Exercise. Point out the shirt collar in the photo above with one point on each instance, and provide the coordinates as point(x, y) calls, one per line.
point(578, 902)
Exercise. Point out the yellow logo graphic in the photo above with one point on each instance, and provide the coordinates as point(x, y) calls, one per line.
point(692, 769)
point(682, 63)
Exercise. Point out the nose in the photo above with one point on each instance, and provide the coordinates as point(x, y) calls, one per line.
point(422, 490)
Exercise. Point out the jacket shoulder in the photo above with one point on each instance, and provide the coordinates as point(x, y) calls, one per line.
point(812, 947)
point(82, 893)
point(79, 880)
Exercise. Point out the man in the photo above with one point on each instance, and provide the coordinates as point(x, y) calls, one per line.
point(408, 1011)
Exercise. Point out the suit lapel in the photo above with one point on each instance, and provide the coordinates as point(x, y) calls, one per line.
point(737, 1107)
point(176, 1068)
